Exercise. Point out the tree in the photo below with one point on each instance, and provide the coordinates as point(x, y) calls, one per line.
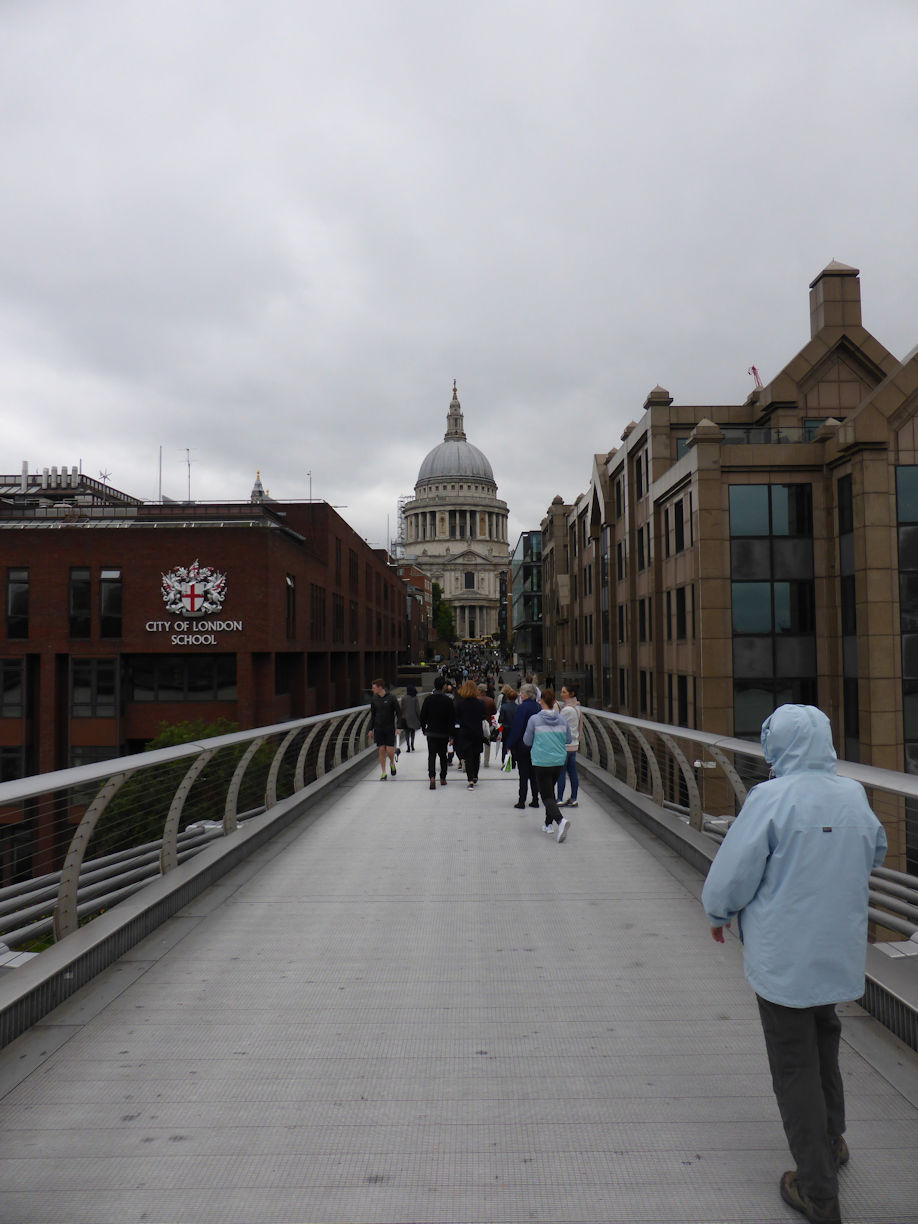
point(444, 623)
point(138, 812)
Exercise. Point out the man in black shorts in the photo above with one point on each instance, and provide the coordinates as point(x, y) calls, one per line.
point(384, 714)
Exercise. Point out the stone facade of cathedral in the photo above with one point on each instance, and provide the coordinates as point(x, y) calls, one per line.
point(456, 530)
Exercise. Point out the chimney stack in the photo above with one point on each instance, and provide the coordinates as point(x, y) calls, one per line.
point(835, 298)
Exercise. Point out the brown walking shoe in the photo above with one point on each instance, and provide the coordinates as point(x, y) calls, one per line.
point(817, 1211)
point(840, 1152)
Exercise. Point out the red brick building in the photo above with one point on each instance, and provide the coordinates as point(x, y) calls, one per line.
point(121, 615)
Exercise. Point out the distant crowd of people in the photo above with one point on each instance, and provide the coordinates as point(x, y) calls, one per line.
point(470, 711)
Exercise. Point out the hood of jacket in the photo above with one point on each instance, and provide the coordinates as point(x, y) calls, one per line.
point(797, 738)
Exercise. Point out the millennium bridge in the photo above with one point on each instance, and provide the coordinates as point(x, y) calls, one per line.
point(243, 980)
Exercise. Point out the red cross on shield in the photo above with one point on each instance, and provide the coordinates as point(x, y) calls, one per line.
point(191, 598)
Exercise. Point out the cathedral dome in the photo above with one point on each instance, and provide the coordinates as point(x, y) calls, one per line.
point(455, 456)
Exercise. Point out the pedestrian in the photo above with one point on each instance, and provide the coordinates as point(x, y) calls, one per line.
point(527, 708)
point(438, 718)
point(505, 715)
point(547, 736)
point(794, 872)
point(384, 715)
point(573, 716)
point(470, 714)
point(411, 716)
point(490, 706)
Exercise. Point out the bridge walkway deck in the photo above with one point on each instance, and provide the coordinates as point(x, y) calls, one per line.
point(415, 1006)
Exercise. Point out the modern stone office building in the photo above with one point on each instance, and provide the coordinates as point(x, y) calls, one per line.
point(727, 558)
point(456, 531)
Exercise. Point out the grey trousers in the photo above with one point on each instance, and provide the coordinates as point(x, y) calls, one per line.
point(802, 1045)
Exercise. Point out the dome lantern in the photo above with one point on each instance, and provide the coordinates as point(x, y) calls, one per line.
point(455, 457)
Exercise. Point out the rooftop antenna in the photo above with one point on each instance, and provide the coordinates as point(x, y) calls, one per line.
point(188, 461)
point(309, 474)
point(755, 374)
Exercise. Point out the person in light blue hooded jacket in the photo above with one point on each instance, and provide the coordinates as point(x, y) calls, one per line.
point(794, 872)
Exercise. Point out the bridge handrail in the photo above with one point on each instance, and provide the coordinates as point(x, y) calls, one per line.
point(62, 898)
point(893, 895)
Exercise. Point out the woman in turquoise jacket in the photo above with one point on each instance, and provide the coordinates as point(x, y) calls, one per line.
point(547, 736)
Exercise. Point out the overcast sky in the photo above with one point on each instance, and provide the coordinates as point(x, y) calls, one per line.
point(272, 232)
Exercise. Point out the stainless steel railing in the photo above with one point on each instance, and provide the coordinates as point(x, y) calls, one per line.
point(78, 841)
point(706, 778)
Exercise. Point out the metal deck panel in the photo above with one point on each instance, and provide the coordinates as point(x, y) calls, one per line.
point(424, 1009)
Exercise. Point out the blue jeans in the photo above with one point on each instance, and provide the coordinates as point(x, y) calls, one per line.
point(569, 770)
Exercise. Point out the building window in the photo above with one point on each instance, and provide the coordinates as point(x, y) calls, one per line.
point(639, 476)
point(11, 768)
point(316, 611)
point(80, 600)
point(337, 561)
point(338, 618)
point(679, 526)
point(681, 618)
point(92, 688)
point(17, 603)
point(12, 698)
point(620, 560)
point(290, 605)
point(771, 510)
point(175, 678)
point(621, 623)
point(666, 541)
point(110, 603)
point(470, 580)
point(283, 674)
point(618, 499)
point(682, 711)
point(353, 567)
point(642, 621)
point(640, 549)
point(773, 601)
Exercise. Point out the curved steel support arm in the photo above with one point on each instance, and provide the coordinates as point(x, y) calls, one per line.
point(168, 854)
point(656, 778)
point(274, 771)
point(696, 815)
point(65, 911)
point(231, 808)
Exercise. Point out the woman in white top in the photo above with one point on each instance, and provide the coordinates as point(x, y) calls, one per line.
point(570, 711)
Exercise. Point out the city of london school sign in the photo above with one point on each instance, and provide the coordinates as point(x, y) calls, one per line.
point(192, 594)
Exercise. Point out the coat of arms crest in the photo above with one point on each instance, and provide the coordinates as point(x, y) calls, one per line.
point(194, 590)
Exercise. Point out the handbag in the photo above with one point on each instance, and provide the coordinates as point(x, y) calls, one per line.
point(486, 730)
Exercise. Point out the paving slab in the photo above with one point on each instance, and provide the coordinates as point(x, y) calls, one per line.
point(422, 1008)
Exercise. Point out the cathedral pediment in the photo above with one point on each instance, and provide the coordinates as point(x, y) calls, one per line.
point(469, 557)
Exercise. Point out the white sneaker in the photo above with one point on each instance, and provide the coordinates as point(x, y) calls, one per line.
point(563, 828)
point(548, 828)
